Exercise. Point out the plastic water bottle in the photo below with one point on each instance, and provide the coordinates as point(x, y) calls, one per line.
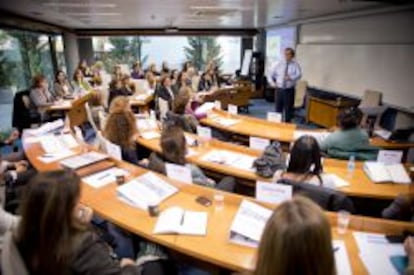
point(351, 166)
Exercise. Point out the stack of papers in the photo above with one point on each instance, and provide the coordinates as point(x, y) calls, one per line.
point(105, 177)
point(52, 157)
point(203, 109)
point(319, 136)
point(379, 172)
point(146, 190)
point(176, 220)
point(46, 128)
point(83, 160)
point(226, 122)
point(333, 181)
point(249, 223)
point(236, 160)
point(53, 143)
point(375, 252)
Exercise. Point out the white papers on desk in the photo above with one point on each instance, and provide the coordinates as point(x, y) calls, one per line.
point(318, 135)
point(333, 181)
point(379, 172)
point(104, 177)
point(150, 135)
point(46, 128)
point(145, 190)
point(388, 157)
point(341, 258)
point(226, 122)
point(383, 133)
point(203, 109)
point(146, 124)
point(179, 173)
point(141, 97)
point(258, 143)
point(375, 252)
point(53, 143)
point(113, 149)
point(273, 192)
point(204, 132)
point(83, 160)
point(52, 157)
point(175, 220)
point(229, 158)
point(249, 223)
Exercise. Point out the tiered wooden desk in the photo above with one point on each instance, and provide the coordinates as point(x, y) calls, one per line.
point(214, 249)
point(141, 104)
point(360, 184)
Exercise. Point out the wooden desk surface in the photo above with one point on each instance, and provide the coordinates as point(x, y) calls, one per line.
point(64, 105)
point(133, 101)
point(215, 247)
point(360, 184)
point(283, 132)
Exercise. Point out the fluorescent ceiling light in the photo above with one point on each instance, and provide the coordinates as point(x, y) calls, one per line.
point(93, 14)
point(79, 5)
point(221, 8)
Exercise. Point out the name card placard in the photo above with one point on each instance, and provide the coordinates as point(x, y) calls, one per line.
point(273, 192)
point(389, 157)
point(258, 143)
point(179, 173)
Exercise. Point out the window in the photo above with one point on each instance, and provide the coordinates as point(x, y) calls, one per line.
point(23, 54)
point(173, 49)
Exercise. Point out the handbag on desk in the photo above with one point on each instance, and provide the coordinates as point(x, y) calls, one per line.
point(271, 160)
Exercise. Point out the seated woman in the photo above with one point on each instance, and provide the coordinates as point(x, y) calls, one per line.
point(151, 83)
point(296, 240)
point(121, 129)
point(117, 73)
point(402, 208)
point(305, 164)
point(117, 89)
point(174, 77)
point(350, 139)
point(41, 96)
point(52, 198)
point(62, 86)
point(205, 84)
point(79, 84)
point(165, 91)
point(181, 114)
point(137, 72)
point(83, 66)
point(174, 149)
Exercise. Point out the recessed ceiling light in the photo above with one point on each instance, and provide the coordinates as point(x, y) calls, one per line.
point(79, 5)
point(93, 14)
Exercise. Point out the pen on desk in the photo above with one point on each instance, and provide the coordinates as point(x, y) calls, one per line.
point(47, 155)
point(103, 176)
point(182, 219)
point(336, 249)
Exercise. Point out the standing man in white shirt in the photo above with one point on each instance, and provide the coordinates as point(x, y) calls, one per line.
point(283, 77)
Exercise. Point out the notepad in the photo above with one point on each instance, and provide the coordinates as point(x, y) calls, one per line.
point(175, 220)
point(379, 172)
point(83, 160)
point(341, 258)
point(236, 160)
point(146, 190)
point(249, 223)
point(105, 177)
point(46, 128)
point(376, 252)
point(53, 143)
point(55, 156)
point(333, 181)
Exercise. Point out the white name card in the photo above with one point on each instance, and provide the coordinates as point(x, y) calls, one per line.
point(232, 109)
point(204, 132)
point(113, 150)
point(274, 117)
point(273, 192)
point(179, 172)
point(217, 105)
point(389, 157)
point(258, 143)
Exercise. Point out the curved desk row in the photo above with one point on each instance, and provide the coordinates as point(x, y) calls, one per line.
point(283, 132)
point(214, 248)
point(360, 184)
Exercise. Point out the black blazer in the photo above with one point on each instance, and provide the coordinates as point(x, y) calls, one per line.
point(162, 92)
point(328, 199)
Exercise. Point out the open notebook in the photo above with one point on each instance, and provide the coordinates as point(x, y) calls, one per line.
point(83, 160)
point(249, 223)
point(175, 220)
point(145, 191)
point(379, 172)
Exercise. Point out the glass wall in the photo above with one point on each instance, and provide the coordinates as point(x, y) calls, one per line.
point(23, 54)
point(175, 50)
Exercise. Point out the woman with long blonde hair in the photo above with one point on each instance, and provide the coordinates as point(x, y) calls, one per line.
point(296, 240)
